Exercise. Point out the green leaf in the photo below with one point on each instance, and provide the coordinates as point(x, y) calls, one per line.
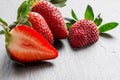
point(108, 26)
point(74, 15)
point(25, 10)
point(98, 20)
point(2, 32)
point(28, 23)
point(89, 13)
point(29, 2)
point(72, 21)
point(58, 3)
point(20, 9)
point(68, 25)
point(3, 22)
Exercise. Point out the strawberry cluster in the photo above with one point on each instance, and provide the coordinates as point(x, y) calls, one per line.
point(39, 23)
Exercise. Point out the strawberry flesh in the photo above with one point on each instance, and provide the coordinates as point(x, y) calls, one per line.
point(26, 45)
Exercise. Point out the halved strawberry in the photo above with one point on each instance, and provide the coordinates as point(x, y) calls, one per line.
point(41, 26)
point(53, 18)
point(26, 45)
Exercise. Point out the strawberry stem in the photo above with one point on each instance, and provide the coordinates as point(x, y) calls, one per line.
point(6, 29)
point(2, 32)
point(4, 25)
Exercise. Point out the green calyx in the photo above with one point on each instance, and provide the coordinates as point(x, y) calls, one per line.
point(108, 26)
point(71, 21)
point(89, 15)
point(6, 30)
point(98, 21)
point(33, 2)
point(4, 25)
point(23, 11)
point(58, 3)
point(22, 14)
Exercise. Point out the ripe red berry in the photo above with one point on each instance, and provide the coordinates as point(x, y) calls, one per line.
point(41, 26)
point(26, 45)
point(83, 33)
point(53, 17)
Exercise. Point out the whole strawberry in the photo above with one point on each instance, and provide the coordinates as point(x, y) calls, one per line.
point(40, 25)
point(53, 17)
point(25, 45)
point(82, 33)
point(85, 32)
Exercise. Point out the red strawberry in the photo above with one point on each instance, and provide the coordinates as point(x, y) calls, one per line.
point(40, 25)
point(82, 33)
point(26, 45)
point(53, 17)
point(85, 32)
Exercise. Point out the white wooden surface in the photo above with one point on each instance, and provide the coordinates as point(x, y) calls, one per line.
point(100, 61)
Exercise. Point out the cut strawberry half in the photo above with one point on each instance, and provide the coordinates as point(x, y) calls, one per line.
point(26, 45)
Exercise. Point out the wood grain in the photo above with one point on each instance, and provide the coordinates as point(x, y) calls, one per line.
point(100, 61)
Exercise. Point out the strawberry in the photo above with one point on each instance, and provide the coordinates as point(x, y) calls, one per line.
point(82, 33)
point(25, 45)
point(85, 32)
point(53, 17)
point(40, 25)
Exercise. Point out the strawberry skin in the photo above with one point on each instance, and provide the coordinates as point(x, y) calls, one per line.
point(26, 45)
point(41, 26)
point(53, 17)
point(83, 33)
